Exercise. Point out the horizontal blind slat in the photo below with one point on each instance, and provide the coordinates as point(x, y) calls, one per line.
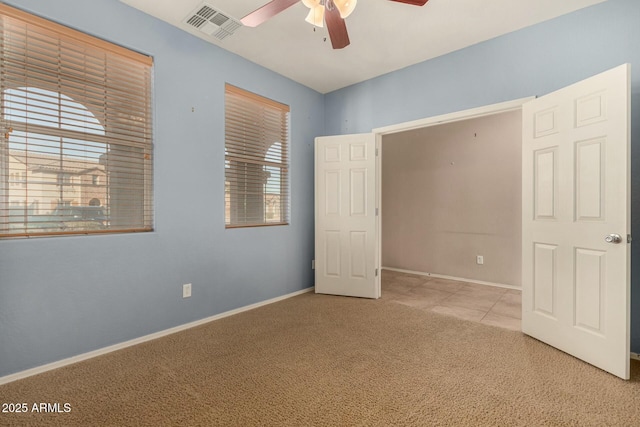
point(256, 160)
point(77, 116)
point(17, 16)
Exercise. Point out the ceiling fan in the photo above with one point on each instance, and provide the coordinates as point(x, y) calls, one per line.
point(331, 12)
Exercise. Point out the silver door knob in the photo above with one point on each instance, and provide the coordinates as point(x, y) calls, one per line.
point(613, 238)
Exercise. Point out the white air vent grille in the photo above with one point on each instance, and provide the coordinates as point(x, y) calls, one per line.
point(212, 22)
point(196, 21)
point(206, 12)
point(219, 19)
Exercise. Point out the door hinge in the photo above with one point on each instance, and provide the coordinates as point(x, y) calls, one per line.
point(629, 238)
point(377, 211)
point(376, 151)
point(376, 272)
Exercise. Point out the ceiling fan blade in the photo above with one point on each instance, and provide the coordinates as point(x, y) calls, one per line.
point(413, 2)
point(336, 27)
point(267, 12)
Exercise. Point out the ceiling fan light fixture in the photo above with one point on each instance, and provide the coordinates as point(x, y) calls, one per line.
point(311, 3)
point(345, 7)
point(316, 16)
point(335, 12)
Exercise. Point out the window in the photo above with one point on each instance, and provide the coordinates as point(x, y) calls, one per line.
point(256, 160)
point(75, 143)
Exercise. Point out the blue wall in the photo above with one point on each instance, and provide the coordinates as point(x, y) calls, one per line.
point(61, 297)
point(533, 61)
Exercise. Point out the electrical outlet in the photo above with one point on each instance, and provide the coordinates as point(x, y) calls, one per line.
point(479, 259)
point(313, 264)
point(186, 290)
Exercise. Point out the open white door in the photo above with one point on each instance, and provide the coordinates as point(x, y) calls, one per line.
point(576, 211)
point(346, 220)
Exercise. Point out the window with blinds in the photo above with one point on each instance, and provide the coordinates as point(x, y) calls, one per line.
point(256, 160)
point(75, 140)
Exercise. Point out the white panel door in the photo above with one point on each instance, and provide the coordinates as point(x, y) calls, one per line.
point(575, 202)
point(346, 220)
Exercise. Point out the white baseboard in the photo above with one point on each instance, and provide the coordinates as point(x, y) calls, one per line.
point(635, 356)
point(135, 341)
point(460, 279)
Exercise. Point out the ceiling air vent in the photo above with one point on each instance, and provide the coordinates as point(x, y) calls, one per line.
point(212, 22)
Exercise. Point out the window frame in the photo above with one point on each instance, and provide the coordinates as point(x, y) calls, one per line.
point(250, 120)
point(47, 33)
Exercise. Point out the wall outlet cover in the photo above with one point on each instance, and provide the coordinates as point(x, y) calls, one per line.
point(186, 290)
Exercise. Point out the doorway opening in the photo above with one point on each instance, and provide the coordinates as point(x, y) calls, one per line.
point(451, 218)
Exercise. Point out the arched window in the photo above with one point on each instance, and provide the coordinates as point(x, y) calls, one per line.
point(76, 117)
point(42, 107)
point(256, 160)
point(57, 145)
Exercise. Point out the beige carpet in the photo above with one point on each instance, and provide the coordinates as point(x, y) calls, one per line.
point(319, 360)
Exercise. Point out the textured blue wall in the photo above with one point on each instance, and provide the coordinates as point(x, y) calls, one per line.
point(533, 61)
point(61, 297)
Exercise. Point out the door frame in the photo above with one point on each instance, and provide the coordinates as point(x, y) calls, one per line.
point(472, 113)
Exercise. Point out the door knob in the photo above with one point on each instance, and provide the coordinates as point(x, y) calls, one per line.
point(613, 238)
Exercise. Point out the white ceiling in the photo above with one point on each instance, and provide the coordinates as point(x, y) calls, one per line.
point(385, 36)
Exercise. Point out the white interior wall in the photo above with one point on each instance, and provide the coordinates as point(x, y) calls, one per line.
point(452, 192)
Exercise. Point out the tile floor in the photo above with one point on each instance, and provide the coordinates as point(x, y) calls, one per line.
point(469, 301)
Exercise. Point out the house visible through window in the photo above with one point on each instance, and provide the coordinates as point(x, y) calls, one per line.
point(76, 142)
point(256, 160)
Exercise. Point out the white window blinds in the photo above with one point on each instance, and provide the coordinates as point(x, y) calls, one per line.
point(75, 145)
point(256, 160)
